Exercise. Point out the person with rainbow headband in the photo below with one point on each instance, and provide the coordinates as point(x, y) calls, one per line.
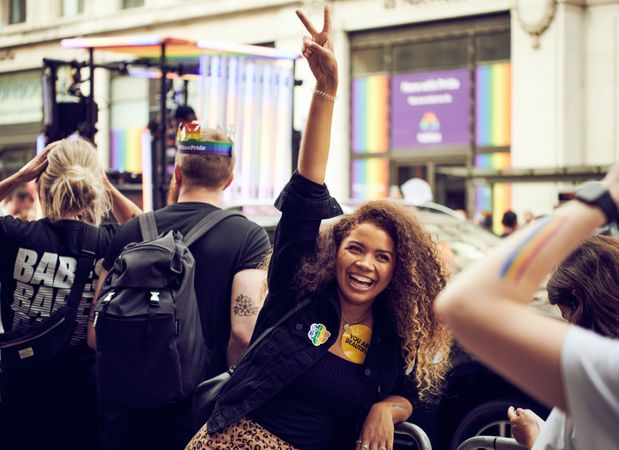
point(348, 365)
point(228, 283)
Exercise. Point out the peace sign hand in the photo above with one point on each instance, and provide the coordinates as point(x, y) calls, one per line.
point(318, 50)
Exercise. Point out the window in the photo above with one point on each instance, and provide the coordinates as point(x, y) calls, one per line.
point(17, 11)
point(72, 8)
point(493, 47)
point(435, 54)
point(368, 60)
point(132, 3)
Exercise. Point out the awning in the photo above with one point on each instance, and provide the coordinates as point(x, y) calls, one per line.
point(150, 46)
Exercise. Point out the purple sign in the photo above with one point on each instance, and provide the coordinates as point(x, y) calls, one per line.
point(430, 109)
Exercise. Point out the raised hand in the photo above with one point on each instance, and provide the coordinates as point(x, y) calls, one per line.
point(36, 165)
point(318, 50)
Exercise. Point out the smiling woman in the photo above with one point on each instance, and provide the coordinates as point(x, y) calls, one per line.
point(349, 364)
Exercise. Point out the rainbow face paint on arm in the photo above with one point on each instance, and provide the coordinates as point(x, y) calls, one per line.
point(523, 255)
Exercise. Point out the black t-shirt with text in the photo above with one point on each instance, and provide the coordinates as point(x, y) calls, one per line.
point(37, 269)
point(233, 245)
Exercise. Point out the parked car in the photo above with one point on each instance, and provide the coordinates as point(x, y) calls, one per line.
point(474, 400)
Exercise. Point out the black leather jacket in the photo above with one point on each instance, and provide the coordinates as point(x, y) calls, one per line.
point(287, 351)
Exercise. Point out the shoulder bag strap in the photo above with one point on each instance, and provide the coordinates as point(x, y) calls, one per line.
point(148, 226)
point(206, 224)
point(84, 265)
point(266, 332)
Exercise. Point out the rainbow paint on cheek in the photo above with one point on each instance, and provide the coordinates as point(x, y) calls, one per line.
point(522, 256)
point(318, 334)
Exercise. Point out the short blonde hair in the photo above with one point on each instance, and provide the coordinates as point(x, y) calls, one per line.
point(73, 183)
point(210, 171)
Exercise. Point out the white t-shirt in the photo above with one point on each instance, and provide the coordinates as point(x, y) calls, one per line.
point(590, 367)
point(557, 433)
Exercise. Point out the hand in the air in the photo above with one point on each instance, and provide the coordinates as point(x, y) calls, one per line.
point(318, 50)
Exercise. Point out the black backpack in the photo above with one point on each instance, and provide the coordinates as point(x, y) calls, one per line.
point(150, 346)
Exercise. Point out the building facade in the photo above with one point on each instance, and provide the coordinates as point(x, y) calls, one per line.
point(498, 104)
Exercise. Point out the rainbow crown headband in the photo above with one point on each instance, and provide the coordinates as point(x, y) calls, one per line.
point(192, 138)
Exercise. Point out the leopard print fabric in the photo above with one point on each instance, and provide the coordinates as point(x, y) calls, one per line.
point(243, 435)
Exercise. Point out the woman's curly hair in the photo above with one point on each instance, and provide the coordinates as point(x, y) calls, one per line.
point(417, 279)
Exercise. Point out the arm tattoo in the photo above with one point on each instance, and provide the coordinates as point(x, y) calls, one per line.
point(522, 256)
point(244, 306)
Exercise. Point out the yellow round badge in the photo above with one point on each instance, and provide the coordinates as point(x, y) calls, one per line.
point(355, 342)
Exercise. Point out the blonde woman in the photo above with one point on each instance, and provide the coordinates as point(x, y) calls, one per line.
point(349, 365)
point(55, 410)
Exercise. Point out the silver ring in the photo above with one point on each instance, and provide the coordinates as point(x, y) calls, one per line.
point(382, 448)
point(365, 447)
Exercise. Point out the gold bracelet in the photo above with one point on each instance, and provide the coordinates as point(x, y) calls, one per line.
point(330, 97)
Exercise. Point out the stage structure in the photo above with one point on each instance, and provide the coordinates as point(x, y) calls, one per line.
point(245, 90)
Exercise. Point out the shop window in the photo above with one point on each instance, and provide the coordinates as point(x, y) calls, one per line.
point(17, 11)
point(72, 8)
point(368, 60)
point(132, 3)
point(493, 47)
point(431, 55)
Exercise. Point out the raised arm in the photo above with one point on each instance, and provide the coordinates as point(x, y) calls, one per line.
point(318, 50)
point(486, 305)
point(29, 172)
point(123, 208)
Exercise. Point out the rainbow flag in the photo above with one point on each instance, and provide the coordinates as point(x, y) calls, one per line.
point(126, 149)
point(493, 105)
point(369, 178)
point(496, 198)
point(370, 114)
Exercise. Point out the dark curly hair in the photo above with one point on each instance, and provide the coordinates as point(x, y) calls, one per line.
point(417, 279)
point(586, 284)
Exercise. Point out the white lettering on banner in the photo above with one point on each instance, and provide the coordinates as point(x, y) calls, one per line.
point(429, 137)
point(430, 85)
point(443, 99)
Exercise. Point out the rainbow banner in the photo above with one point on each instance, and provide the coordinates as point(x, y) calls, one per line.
point(370, 115)
point(493, 105)
point(126, 149)
point(369, 178)
point(496, 198)
point(252, 99)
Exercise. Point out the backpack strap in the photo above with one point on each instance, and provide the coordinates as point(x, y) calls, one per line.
point(205, 225)
point(148, 226)
point(84, 265)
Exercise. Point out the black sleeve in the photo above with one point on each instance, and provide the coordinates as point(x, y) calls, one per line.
point(106, 234)
point(127, 233)
point(254, 250)
point(303, 204)
point(10, 228)
point(406, 387)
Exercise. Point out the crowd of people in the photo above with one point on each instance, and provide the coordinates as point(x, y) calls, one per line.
point(354, 321)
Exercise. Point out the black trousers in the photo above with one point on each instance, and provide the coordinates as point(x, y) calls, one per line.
point(56, 411)
point(160, 428)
